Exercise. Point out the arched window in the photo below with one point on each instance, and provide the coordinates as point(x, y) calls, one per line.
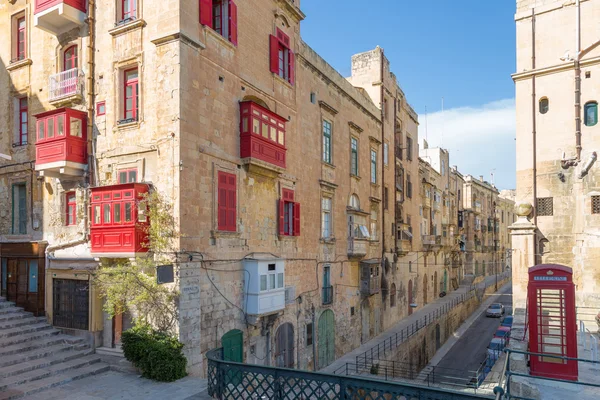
point(70, 58)
point(354, 202)
point(590, 111)
point(393, 295)
point(544, 105)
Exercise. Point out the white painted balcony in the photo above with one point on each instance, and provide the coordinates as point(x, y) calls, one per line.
point(66, 86)
point(59, 16)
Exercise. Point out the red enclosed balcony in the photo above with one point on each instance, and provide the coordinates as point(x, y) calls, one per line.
point(262, 136)
point(119, 227)
point(61, 145)
point(59, 16)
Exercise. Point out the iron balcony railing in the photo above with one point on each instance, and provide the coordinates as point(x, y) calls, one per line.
point(66, 84)
point(228, 380)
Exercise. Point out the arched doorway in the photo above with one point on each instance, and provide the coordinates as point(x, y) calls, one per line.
point(233, 345)
point(366, 321)
point(393, 295)
point(284, 346)
point(326, 338)
point(445, 280)
point(410, 296)
point(425, 283)
point(436, 285)
point(476, 268)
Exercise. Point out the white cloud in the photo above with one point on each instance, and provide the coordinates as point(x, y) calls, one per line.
point(480, 139)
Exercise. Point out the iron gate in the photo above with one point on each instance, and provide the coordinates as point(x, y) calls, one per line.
point(71, 299)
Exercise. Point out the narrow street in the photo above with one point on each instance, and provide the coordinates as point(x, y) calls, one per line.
point(467, 354)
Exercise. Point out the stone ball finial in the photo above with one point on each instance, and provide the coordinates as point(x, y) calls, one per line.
point(523, 208)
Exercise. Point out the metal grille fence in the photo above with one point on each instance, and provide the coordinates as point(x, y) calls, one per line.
point(231, 380)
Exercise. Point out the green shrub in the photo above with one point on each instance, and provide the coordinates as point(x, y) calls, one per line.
point(158, 355)
point(374, 369)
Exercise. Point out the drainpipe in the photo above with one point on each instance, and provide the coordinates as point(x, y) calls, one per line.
point(382, 93)
point(91, 148)
point(395, 177)
point(314, 337)
point(578, 80)
point(533, 118)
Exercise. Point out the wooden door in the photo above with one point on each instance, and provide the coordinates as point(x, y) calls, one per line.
point(11, 281)
point(326, 339)
point(284, 346)
point(233, 350)
point(70, 303)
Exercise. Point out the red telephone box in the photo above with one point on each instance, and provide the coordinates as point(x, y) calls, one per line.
point(552, 321)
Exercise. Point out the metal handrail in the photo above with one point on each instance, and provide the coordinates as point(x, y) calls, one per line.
point(392, 342)
point(501, 389)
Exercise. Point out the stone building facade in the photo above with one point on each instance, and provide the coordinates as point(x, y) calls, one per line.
point(557, 98)
point(297, 192)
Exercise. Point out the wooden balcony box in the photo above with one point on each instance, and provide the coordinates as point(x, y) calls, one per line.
point(370, 277)
point(118, 227)
point(61, 145)
point(59, 16)
point(262, 137)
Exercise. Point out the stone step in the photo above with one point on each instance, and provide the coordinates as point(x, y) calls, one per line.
point(35, 354)
point(9, 310)
point(51, 340)
point(39, 326)
point(5, 304)
point(56, 357)
point(30, 320)
point(27, 337)
point(14, 315)
point(52, 380)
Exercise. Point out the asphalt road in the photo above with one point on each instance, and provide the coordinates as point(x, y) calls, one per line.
point(467, 354)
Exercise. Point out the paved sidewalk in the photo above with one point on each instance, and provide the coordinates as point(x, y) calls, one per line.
point(402, 325)
point(118, 385)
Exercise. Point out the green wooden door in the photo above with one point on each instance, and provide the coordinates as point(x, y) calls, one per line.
point(233, 350)
point(233, 345)
point(326, 339)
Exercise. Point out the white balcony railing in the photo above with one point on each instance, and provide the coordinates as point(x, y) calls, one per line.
point(66, 84)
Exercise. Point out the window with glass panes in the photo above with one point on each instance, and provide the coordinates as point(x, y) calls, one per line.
point(326, 217)
point(327, 141)
point(354, 156)
point(373, 166)
point(373, 224)
point(128, 175)
point(23, 108)
point(590, 111)
point(131, 95)
point(128, 10)
point(19, 214)
point(272, 280)
point(71, 216)
point(289, 214)
point(21, 39)
point(282, 58)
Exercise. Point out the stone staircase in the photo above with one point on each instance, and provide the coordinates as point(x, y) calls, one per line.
point(34, 356)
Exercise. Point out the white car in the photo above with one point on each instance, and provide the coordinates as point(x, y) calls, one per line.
point(495, 310)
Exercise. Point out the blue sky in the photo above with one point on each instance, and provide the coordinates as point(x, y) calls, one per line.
point(462, 50)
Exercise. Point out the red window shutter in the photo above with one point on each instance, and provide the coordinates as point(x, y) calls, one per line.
point(231, 204)
point(292, 67)
point(288, 195)
point(274, 65)
point(233, 27)
point(281, 216)
point(296, 219)
point(206, 12)
point(283, 38)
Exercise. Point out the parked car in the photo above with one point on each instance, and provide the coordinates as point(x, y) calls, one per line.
point(495, 310)
point(507, 321)
point(503, 332)
point(495, 348)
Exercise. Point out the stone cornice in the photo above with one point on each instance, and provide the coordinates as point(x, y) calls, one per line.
point(130, 26)
point(327, 107)
point(291, 8)
point(554, 69)
point(178, 36)
point(355, 127)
